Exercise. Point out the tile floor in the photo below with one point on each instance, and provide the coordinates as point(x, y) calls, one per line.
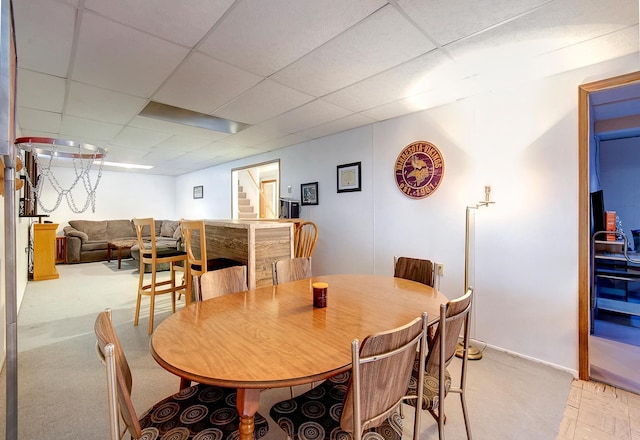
point(596, 411)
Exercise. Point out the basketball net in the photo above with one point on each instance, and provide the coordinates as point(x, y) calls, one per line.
point(45, 153)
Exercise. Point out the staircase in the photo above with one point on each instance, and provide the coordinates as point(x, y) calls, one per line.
point(245, 209)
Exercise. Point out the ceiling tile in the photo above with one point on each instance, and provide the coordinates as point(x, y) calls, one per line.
point(45, 36)
point(182, 144)
point(342, 124)
point(253, 135)
point(116, 57)
point(309, 115)
point(426, 72)
point(168, 19)
point(290, 139)
point(263, 101)
point(203, 84)
point(606, 47)
point(555, 26)
point(114, 107)
point(41, 91)
point(283, 29)
point(74, 128)
point(380, 42)
point(28, 119)
point(446, 21)
point(140, 138)
point(125, 155)
point(157, 157)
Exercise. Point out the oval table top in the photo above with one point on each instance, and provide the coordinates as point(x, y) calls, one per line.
point(273, 336)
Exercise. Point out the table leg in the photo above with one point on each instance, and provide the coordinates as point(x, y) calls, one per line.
point(247, 405)
point(119, 257)
point(109, 253)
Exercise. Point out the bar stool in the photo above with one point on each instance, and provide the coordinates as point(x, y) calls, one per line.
point(152, 255)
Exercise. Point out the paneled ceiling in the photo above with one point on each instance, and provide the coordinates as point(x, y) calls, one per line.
point(291, 70)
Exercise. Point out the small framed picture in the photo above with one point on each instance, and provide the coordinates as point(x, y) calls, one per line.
point(349, 177)
point(198, 192)
point(309, 193)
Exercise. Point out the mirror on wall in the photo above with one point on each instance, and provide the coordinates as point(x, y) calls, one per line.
point(256, 191)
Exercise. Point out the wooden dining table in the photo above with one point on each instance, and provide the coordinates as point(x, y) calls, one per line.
point(273, 336)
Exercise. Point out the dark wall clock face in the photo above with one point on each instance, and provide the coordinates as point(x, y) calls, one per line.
point(419, 169)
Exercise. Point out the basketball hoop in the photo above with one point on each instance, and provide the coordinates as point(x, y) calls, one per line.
point(83, 157)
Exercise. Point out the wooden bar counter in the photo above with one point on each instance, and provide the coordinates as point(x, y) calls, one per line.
point(254, 243)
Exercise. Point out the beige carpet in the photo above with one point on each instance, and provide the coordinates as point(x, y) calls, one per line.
point(62, 385)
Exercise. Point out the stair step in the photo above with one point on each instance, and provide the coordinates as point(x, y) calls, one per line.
point(244, 202)
point(242, 195)
point(247, 208)
point(247, 215)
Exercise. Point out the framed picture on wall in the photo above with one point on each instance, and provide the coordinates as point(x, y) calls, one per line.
point(349, 177)
point(198, 192)
point(309, 193)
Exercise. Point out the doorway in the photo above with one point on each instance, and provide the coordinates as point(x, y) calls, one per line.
point(602, 359)
point(256, 191)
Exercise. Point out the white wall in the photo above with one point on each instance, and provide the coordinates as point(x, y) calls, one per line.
point(120, 195)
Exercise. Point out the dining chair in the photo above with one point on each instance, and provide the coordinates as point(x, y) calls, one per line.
point(454, 319)
point(193, 232)
point(305, 239)
point(291, 269)
point(414, 269)
point(364, 399)
point(199, 411)
point(222, 281)
point(153, 255)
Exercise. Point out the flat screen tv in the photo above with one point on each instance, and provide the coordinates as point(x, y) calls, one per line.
point(597, 212)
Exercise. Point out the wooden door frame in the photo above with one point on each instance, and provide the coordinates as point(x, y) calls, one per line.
point(584, 224)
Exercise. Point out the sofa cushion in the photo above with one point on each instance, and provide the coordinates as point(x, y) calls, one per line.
point(93, 246)
point(120, 229)
point(168, 228)
point(158, 226)
point(95, 230)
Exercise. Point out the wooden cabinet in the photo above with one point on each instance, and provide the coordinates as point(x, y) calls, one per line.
point(44, 251)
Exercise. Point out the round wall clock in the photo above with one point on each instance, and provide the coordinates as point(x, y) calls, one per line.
point(419, 169)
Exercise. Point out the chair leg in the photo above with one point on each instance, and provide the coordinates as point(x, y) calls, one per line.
point(152, 299)
point(135, 320)
point(173, 289)
point(140, 284)
point(465, 414)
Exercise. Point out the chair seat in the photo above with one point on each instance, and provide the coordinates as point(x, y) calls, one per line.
point(199, 411)
point(430, 395)
point(217, 263)
point(163, 252)
point(316, 414)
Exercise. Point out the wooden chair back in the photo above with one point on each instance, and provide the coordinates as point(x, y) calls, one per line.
point(305, 239)
point(119, 379)
point(195, 229)
point(414, 269)
point(292, 269)
point(146, 244)
point(382, 366)
point(453, 315)
point(222, 281)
